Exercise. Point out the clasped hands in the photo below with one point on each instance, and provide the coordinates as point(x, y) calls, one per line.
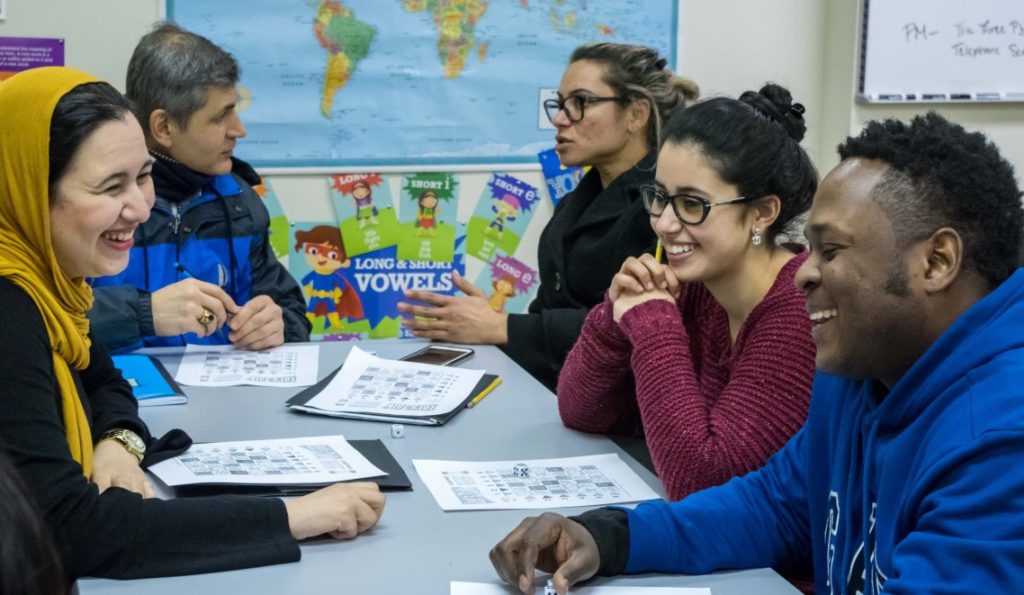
point(182, 307)
point(455, 319)
point(641, 280)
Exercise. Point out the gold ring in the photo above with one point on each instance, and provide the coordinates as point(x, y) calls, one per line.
point(206, 318)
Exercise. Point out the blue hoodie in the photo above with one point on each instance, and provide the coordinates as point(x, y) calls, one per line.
point(919, 492)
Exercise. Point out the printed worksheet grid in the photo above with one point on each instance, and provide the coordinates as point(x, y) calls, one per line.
point(404, 390)
point(540, 484)
point(265, 460)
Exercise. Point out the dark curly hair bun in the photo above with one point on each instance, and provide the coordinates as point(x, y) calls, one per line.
point(776, 103)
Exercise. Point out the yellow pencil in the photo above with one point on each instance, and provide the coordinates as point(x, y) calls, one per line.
point(657, 252)
point(484, 393)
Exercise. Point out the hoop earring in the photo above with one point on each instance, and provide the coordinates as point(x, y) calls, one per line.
point(756, 238)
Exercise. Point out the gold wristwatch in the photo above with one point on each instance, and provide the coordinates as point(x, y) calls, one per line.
point(129, 439)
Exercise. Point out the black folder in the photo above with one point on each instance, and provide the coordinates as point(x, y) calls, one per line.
point(298, 404)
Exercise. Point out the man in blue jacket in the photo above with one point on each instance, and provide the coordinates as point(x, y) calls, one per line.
point(201, 269)
point(906, 477)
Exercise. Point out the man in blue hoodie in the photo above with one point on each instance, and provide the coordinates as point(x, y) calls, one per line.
point(201, 268)
point(905, 478)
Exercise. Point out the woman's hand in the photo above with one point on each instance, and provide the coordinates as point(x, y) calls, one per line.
point(641, 280)
point(456, 319)
point(114, 467)
point(342, 510)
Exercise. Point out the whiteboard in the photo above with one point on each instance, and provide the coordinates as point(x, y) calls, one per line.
point(942, 50)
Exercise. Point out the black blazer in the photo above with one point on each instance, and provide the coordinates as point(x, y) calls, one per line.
point(591, 233)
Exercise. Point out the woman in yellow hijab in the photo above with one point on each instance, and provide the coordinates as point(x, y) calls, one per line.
point(74, 186)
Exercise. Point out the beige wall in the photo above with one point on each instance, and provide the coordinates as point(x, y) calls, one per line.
point(727, 46)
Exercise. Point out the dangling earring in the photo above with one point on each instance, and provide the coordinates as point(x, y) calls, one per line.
point(756, 238)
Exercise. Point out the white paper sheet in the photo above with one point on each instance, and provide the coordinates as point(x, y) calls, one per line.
point(369, 384)
point(290, 461)
point(548, 483)
point(223, 365)
point(463, 588)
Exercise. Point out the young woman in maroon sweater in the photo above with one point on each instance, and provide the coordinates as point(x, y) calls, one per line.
point(709, 356)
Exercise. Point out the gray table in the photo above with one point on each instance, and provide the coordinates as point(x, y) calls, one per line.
point(416, 547)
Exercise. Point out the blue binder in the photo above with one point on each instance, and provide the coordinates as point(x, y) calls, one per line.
point(150, 382)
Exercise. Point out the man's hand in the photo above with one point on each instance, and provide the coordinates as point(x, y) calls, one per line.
point(179, 307)
point(257, 325)
point(114, 466)
point(456, 319)
point(342, 510)
point(551, 543)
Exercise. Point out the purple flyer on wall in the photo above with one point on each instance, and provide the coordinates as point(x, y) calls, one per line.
point(22, 53)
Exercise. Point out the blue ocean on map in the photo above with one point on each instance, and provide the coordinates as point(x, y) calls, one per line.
point(398, 107)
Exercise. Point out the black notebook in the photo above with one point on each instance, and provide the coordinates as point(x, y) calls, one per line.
point(373, 450)
point(298, 403)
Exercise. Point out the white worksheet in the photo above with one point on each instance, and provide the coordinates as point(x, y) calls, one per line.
point(223, 365)
point(462, 588)
point(540, 483)
point(369, 384)
point(288, 461)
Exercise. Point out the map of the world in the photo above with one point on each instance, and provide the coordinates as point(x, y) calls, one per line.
point(347, 83)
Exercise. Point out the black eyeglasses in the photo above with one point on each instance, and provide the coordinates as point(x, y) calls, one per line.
point(689, 209)
point(574, 106)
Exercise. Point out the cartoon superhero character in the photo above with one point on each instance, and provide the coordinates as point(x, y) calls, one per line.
point(426, 218)
point(504, 288)
point(505, 209)
point(366, 213)
point(330, 293)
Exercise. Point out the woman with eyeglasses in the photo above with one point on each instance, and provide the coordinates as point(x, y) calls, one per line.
point(611, 100)
point(709, 356)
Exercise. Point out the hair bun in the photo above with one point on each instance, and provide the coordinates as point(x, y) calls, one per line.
point(776, 102)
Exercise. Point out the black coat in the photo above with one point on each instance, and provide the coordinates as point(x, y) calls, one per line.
point(115, 534)
point(591, 233)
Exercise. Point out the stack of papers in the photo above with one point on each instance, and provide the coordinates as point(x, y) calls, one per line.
point(223, 365)
point(372, 388)
point(463, 588)
point(307, 463)
point(594, 480)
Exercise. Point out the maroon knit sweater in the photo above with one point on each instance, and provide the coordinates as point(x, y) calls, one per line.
point(709, 409)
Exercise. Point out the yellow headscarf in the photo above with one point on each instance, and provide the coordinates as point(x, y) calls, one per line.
point(27, 101)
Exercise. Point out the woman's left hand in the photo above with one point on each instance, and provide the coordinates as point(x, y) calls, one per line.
point(113, 466)
point(455, 319)
point(629, 299)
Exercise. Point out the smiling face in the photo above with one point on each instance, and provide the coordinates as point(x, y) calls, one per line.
point(713, 248)
point(104, 194)
point(428, 201)
point(324, 258)
point(602, 135)
point(864, 305)
point(207, 143)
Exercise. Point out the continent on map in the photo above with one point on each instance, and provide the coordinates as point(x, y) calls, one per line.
point(346, 40)
point(455, 21)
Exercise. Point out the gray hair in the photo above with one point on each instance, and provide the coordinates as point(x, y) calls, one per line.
point(174, 69)
point(637, 72)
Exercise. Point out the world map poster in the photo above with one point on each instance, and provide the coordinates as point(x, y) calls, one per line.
point(345, 83)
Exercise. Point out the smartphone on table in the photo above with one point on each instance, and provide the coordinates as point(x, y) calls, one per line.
point(439, 355)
